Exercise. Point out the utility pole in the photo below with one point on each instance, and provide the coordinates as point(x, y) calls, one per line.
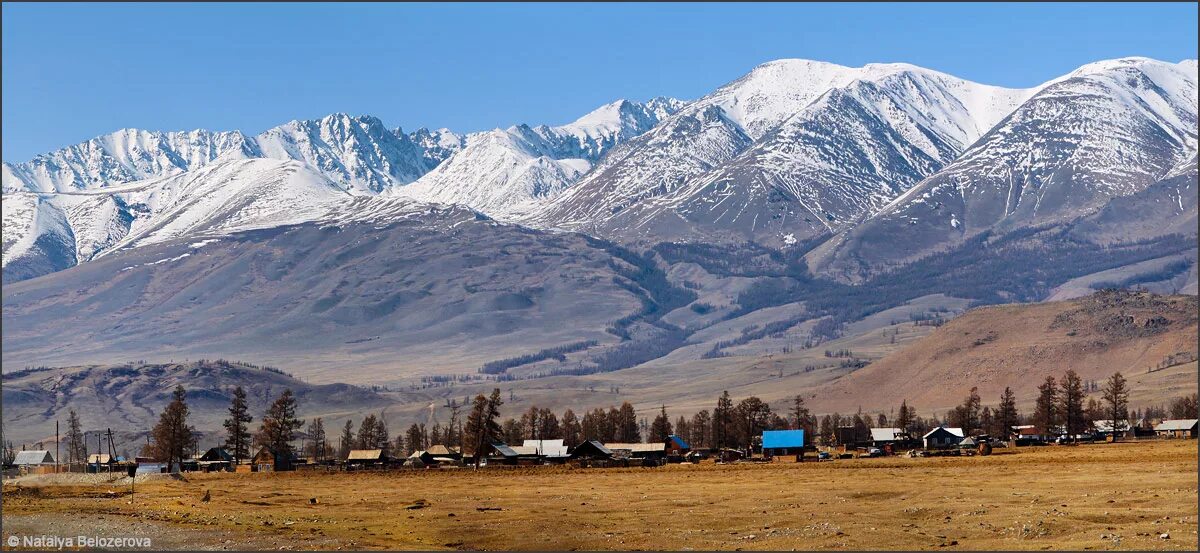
point(56, 450)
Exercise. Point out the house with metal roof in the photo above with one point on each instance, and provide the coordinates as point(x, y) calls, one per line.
point(33, 457)
point(547, 448)
point(783, 442)
point(591, 450)
point(501, 453)
point(942, 437)
point(359, 458)
point(888, 436)
point(439, 450)
point(637, 450)
point(1177, 428)
point(677, 446)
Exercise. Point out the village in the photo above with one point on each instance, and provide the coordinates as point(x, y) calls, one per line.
point(746, 432)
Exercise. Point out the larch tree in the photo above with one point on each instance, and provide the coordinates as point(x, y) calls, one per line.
point(1072, 404)
point(279, 425)
point(660, 429)
point(802, 418)
point(722, 420)
point(1183, 407)
point(316, 447)
point(346, 443)
point(1116, 400)
point(237, 426)
point(628, 429)
point(172, 436)
point(683, 429)
point(1046, 413)
point(1006, 414)
point(701, 427)
point(753, 414)
point(903, 419)
point(571, 429)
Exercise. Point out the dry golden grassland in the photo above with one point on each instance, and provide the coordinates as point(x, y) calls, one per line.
point(1103, 496)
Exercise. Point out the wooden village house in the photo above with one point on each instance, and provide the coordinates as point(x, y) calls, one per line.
point(942, 438)
point(1177, 428)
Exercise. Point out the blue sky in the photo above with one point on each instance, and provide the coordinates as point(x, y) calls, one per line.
point(71, 72)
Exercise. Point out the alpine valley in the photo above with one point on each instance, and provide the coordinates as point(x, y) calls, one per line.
point(658, 252)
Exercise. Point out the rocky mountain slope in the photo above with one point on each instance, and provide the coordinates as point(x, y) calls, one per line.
point(1108, 130)
point(1146, 337)
point(377, 282)
point(128, 397)
point(794, 150)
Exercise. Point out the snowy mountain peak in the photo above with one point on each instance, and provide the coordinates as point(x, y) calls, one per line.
point(123, 156)
point(508, 173)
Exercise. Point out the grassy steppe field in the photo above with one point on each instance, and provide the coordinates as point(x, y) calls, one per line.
point(1102, 496)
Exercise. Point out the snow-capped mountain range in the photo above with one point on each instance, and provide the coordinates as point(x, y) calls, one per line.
point(795, 150)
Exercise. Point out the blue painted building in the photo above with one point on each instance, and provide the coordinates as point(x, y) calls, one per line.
point(783, 442)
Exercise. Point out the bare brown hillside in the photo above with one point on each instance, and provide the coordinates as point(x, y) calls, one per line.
point(1149, 338)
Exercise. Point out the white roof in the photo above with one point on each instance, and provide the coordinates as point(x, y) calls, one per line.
point(956, 431)
point(1107, 426)
point(33, 457)
point(638, 447)
point(549, 448)
point(1176, 424)
point(885, 434)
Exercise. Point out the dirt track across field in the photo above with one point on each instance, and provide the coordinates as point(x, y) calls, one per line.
point(1104, 496)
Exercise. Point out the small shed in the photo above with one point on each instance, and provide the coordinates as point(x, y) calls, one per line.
point(942, 437)
point(33, 457)
point(1177, 428)
point(269, 460)
point(783, 442)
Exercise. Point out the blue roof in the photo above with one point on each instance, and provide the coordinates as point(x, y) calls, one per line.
point(679, 441)
point(779, 439)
